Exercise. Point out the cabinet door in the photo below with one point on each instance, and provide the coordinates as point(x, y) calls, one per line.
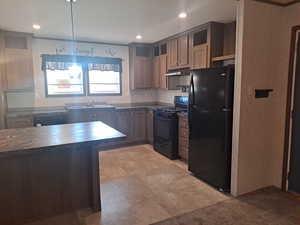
point(124, 123)
point(147, 73)
point(19, 69)
point(200, 56)
point(183, 51)
point(106, 116)
point(150, 126)
point(139, 125)
point(163, 71)
point(172, 54)
point(78, 116)
point(142, 72)
point(156, 72)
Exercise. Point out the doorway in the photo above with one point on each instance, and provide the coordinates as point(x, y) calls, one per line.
point(291, 166)
point(294, 172)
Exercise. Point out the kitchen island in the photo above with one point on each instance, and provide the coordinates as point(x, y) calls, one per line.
point(51, 170)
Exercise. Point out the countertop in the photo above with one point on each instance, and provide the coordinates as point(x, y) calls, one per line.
point(12, 113)
point(37, 138)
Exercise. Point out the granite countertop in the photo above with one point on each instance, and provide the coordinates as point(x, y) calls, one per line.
point(61, 109)
point(37, 138)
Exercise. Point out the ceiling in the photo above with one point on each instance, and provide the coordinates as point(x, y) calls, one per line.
point(115, 21)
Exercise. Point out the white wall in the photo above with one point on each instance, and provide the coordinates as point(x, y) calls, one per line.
point(262, 59)
point(38, 98)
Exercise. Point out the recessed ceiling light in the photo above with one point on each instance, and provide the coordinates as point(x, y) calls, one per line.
point(71, 0)
point(36, 26)
point(182, 15)
point(139, 37)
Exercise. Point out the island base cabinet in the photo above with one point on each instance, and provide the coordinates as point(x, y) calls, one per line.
point(44, 184)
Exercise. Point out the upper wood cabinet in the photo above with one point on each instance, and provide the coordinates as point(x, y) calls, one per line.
point(18, 62)
point(206, 42)
point(162, 71)
point(141, 66)
point(183, 51)
point(178, 52)
point(160, 66)
point(18, 69)
point(156, 72)
point(200, 56)
point(173, 54)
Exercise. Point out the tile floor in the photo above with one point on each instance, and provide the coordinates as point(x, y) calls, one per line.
point(269, 206)
point(141, 187)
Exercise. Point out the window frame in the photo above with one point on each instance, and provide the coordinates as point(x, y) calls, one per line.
point(66, 95)
point(86, 85)
point(101, 94)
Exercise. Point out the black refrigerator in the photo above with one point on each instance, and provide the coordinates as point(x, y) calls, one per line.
point(210, 124)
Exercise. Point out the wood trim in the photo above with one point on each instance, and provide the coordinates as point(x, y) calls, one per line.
point(278, 3)
point(288, 107)
point(81, 41)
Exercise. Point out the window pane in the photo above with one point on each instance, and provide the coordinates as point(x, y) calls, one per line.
point(65, 89)
point(104, 77)
point(105, 89)
point(73, 75)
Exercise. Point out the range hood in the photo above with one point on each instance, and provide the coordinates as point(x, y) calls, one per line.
point(178, 73)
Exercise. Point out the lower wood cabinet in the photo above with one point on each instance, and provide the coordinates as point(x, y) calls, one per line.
point(183, 137)
point(124, 124)
point(19, 122)
point(106, 116)
point(150, 119)
point(133, 123)
point(139, 125)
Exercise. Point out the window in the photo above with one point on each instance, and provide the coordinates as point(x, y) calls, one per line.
point(65, 82)
point(73, 75)
point(104, 82)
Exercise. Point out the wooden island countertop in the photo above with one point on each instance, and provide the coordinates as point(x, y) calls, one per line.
point(36, 138)
point(51, 170)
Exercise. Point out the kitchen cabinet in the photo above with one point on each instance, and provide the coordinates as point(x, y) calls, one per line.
point(139, 125)
point(140, 66)
point(183, 51)
point(183, 137)
point(18, 62)
point(173, 54)
point(124, 124)
point(156, 72)
point(162, 71)
point(206, 42)
point(150, 117)
point(200, 56)
point(86, 115)
point(178, 52)
point(19, 122)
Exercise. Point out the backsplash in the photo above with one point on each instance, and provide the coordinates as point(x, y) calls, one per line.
point(168, 96)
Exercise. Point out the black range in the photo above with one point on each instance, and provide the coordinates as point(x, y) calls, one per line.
point(166, 127)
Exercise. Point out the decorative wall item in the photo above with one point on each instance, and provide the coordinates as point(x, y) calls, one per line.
point(110, 52)
point(77, 51)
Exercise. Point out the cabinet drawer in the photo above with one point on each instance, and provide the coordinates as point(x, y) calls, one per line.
point(183, 132)
point(183, 122)
point(183, 152)
point(183, 141)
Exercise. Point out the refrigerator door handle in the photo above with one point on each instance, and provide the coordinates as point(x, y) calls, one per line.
point(226, 110)
point(193, 91)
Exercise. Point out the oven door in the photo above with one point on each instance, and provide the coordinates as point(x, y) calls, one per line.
point(166, 135)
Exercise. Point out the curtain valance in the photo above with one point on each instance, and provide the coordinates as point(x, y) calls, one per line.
point(63, 62)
